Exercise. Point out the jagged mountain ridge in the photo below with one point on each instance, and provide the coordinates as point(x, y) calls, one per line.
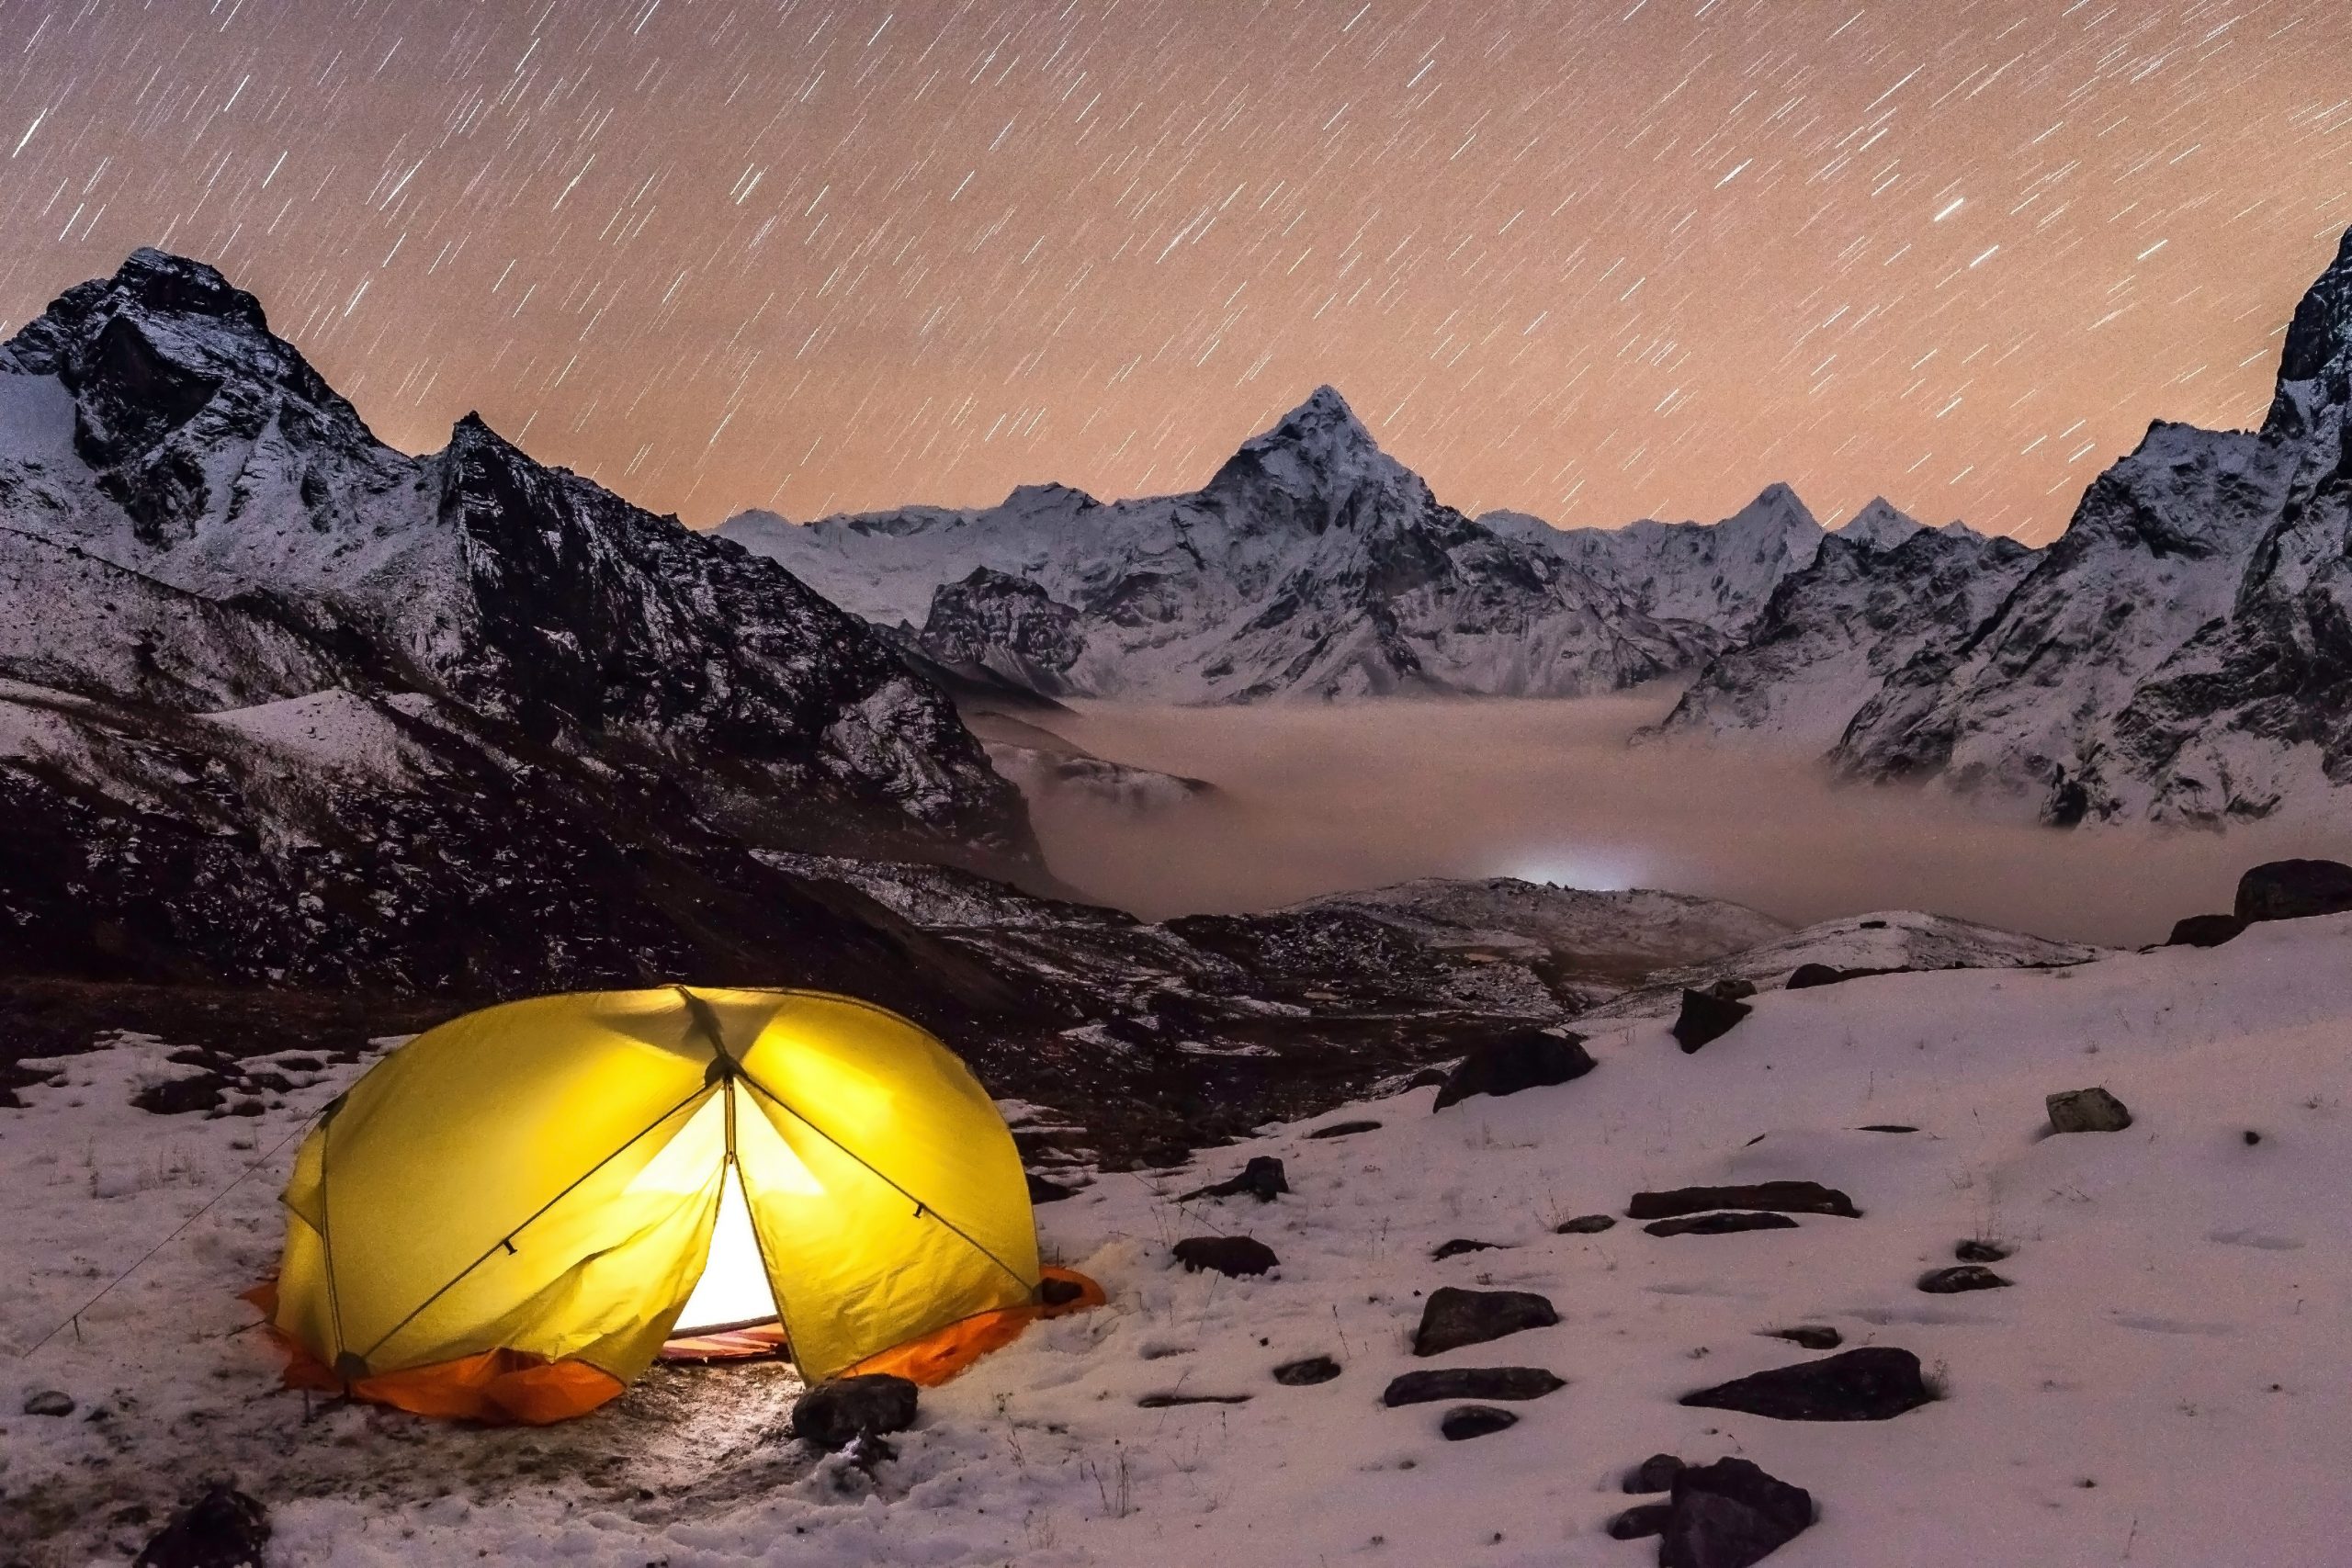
point(1312, 564)
point(543, 730)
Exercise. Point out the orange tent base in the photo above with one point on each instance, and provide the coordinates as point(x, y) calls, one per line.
point(509, 1387)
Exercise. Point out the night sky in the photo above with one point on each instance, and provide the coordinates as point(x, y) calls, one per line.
point(1593, 261)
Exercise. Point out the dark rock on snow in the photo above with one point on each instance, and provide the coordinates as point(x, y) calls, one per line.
point(1041, 1190)
point(1811, 1336)
point(1655, 1473)
point(1470, 1383)
point(1705, 1018)
point(1586, 1224)
point(1262, 1178)
point(1531, 1059)
point(1459, 1246)
point(223, 1529)
point(1639, 1522)
point(1874, 1382)
point(1730, 1514)
point(1805, 976)
point(48, 1401)
point(2294, 889)
point(1428, 1077)
point(1306, 1371)
point(1344, 1129)
point(1962, 1277)
point(1886, 1127)
point(2086, 1111)
point(176, 1097)
point(1976, 1250)
point(2205, 931)
point(1171, 1399)
point(1233, 1256)
point(1055, 1293)
point(1466, 1421)
point(834, 1415)
point(1720, 1224)
point(1781, 1196)
point(1452, 1317)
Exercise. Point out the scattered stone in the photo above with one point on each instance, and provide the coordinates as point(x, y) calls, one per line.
point(2086, 1111)
point(1640, 1522)
point(1781, 1196)
point(1523, 1059)
point(1874, 1382)
point(50, 1402)
point(834, 1415)
point(1470, 1383)
point(1056, 1292)
point(1459, 1246)
point(2252, 1137)
point(175, 1097)
point(1232, 1255)
point(1809, 1335)
point(299, 1064)
point(2204, 931)
point(1706, 1017)
point(1044, 1192)
point(1720, 1224)
point(1977, 1250)
point(1466, 1421)
point(1453, 1317)
point(1306, 1371)
point(1586, 1224)
point(1262, 1178)
point(223, 1529)
point(1873, 926)
point(1805, 976)
point(1961, 1277)
point(1345, 1129)
point(1655, 1473)
point(1428, 1077)
point(1730, 1514)
point(1170, 1400)
point(2294, 889)
point(1731, 988)
point(1886, 1127)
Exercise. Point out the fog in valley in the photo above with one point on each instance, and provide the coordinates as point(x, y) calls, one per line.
point(1314, 799)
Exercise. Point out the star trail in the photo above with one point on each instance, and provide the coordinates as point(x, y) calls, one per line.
point(1592, 260)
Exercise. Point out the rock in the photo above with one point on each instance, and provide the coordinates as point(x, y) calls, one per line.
point(1655, 1473)
point(1639, 1522)
point(1232, 1255)
point(1586, 1224)
point(1730, 1514)
point(2204, 931)
point(1470, 1383)
point(1044, 1192)
point(223, 1529)
point(1731, 988)
point(2293, 889)
point(1886, 1127)
point(834, 1415)
point(1527, 1058)
point(1306, 1371)
point(50, 1402)
point(1720, 1224)
point(1805, 977)
point(175, 1097)
point(1262, 1178)
point(1706, 1017)
point(1056, 1292)
point(1811, 1336)
point(1428, 1077)
point(1875, 1383)
point(1961, 1277)
point(1466, 1421)
point(2086, 1111)
point(1977, 1250)
point(1459, 1246)
point(1452, 1317)
point(1170, 1400)
point(1781, 1196)
point(1347, 1128)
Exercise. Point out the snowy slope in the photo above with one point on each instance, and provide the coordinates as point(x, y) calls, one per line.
point(1717, 575)
point(2161, 1386)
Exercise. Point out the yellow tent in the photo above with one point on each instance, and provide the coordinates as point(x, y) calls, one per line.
point(508, 1216)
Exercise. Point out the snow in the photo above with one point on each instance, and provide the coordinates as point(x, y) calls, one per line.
point(334, 729)
point(2162, 1386)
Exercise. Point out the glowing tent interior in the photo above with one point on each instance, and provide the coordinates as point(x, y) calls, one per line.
point(508, 1217)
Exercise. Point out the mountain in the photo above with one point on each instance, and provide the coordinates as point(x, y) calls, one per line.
point(280, 703)
point(1881, 525)
point(1311, 565)
point(2184, 652)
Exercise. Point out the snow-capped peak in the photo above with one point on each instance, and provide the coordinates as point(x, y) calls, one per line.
point(1776, 506)
point(1881, 525)
point(1319, 448)
point(2315, 367)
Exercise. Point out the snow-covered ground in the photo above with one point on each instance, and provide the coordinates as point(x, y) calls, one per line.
point(2164, 1383)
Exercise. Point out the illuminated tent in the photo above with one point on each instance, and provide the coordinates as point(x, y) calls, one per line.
point(507, 1217)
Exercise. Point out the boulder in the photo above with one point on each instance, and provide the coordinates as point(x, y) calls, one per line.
point(176, 1097)
point(1523, 1059)
point(1459, 1246)
point(1733, 988)
point(1470, 1383)
point(223, 1529)
point(834, 1415)
point(1452, 1317)
point(1428, 1077)
point(1344, 1129)
point(48, 1401)
point(1781, 1196)
point(1262, 1178)
point(1466, 1421)
point(2293, 889)
point(1809, 1335)
point(1706, 1017)
point(1976, 1249)
point(1044, 1192)
point(2204, 931)
point(1875, 1383)
point(1306, 1370)
point(1730, 1514)
point(1805, 976)
point(1655, 1473)
point(1172, 1399)
point(1961, 1277)
point(1720, 1224)
point(1586, 1224)
point(2086, 1111)
point(1639, 1522)
point(1232, 1255)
